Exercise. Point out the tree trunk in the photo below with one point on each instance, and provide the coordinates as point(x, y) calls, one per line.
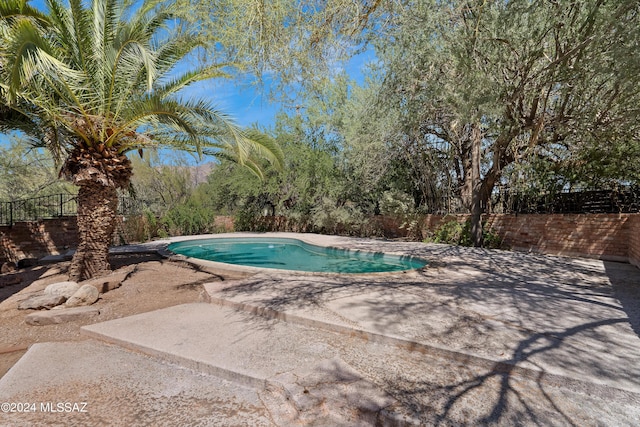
point(476, 185)
point(97, 209)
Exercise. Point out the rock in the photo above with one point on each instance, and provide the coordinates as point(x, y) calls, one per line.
point(10, 280)
point(86, 295)
point(53, 317)
point(66, 289)
point(107, 283)
point(41, 301)
point(8, 267)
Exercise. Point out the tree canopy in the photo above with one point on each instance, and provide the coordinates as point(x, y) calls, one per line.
point(552, 80)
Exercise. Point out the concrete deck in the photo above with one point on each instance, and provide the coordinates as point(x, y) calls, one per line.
point(480, 337)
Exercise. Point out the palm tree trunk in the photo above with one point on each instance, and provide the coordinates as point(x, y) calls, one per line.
point(97, 209)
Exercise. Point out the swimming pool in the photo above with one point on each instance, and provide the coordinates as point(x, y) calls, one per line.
point(292, 254)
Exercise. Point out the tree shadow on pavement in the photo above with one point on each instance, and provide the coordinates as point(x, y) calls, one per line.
point(557, 310)
point(625, 279)
point(506, 372)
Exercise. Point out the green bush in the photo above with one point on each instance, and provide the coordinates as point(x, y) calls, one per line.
point(400, 205)
point(329, 217)
point(455, 233)
point(249, 217)
point(138, 228)
point(188, 219)
point(491, 239)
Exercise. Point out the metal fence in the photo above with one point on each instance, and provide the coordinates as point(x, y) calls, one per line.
point(597, 201)
point(56, 206)
point(52, 206)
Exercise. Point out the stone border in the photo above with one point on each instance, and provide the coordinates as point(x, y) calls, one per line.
point(242, 271)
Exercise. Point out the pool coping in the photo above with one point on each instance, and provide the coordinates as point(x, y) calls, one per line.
point(241, 271)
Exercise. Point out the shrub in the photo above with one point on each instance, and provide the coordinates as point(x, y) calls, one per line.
point(491, 239)
point(331, 218)
point(400, 205)
point(249, 216)
point(455, 233)
point(188, 219)
point(138, 228)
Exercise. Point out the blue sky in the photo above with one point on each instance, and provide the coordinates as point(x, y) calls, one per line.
point(245, 103)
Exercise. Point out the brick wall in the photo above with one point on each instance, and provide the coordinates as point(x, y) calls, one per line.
point(35, 239)
point(604, 236)
point(634, 240)
point(223, 224)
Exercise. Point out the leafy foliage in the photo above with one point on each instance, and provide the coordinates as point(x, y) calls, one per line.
point(548, 89)
point(453, 232)
point(297, 43)
point(27, 172)
point(188, 219)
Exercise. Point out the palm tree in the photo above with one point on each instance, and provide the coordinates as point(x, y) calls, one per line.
point(12, 117)
point(103, 79)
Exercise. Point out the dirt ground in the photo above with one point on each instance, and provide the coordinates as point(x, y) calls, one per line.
point(153, 283)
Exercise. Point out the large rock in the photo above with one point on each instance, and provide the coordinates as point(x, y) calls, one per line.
point(41, 302)
point(8, 267)
point(66, 289)
point(86, 295)
point(10, 279)
point(108, 283)
point(53, 317)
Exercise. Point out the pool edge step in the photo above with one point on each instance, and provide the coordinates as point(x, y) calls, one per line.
point(308, 407)
point(503, 367)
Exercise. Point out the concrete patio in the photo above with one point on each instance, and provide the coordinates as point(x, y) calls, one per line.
point(480, 337)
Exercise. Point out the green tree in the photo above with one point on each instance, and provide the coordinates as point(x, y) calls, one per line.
point(162, 183)
point(489, 84)
point(338, 171)
point(27, 172)
point(308, 178)
point(104, 79)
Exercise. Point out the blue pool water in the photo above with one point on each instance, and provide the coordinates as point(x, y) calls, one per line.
point(292, 254)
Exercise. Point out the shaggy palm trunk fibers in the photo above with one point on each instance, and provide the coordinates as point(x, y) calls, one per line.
point(97, 209)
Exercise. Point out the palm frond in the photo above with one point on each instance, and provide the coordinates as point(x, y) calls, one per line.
point(20, 9)
point(81, 41)
point(180, 82)
point(264, 146)
point(174, 49)
point(33, 60)
point(108, 73)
